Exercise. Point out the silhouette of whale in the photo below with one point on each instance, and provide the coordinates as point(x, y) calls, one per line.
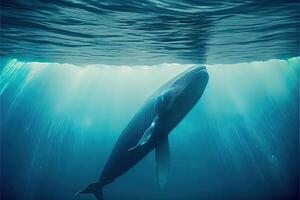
point(150, 126)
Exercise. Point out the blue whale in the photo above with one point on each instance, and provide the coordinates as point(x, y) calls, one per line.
point(150, 126)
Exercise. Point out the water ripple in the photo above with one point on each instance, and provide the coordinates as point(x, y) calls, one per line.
point(149, 31)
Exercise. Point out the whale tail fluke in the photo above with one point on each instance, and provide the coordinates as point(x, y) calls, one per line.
point(93, 188)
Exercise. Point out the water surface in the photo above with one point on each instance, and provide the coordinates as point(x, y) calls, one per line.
point(148, 32)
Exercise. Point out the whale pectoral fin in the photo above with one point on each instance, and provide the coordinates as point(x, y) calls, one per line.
point(147, 135)
point(162, 157)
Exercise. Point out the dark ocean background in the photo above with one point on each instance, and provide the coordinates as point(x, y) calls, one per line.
point(73, 73)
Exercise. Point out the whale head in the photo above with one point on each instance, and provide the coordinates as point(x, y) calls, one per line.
point(190, 84)
point(184, 92)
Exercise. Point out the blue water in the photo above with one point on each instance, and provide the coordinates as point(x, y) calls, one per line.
point(73, 73)
point(60, 123)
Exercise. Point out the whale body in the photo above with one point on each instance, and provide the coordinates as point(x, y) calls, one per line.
point(150, 126)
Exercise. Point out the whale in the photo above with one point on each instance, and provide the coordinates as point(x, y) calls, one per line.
point(150, 127)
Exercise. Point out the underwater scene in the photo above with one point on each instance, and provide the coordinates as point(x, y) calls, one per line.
point(149, 100)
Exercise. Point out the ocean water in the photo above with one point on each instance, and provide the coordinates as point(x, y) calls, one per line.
point(73, 74)
point(61, 121)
